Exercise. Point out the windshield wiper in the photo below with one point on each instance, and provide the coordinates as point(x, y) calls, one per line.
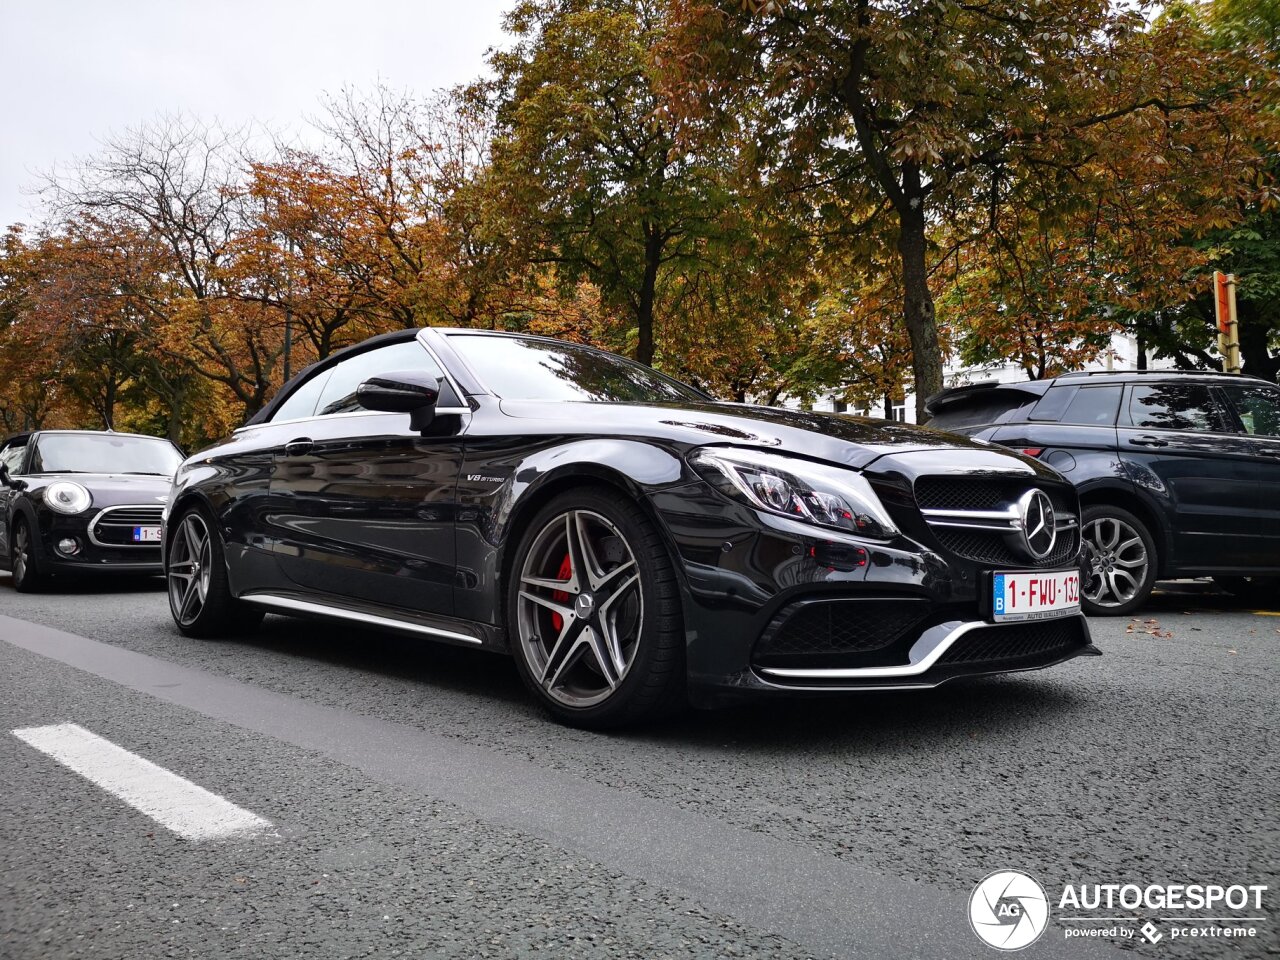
point(142, 473)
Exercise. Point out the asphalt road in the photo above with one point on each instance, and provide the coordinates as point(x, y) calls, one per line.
point(420, 805)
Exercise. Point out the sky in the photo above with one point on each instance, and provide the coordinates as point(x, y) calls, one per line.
point(77, 71)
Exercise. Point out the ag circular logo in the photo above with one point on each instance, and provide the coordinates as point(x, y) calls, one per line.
point(1008, 910)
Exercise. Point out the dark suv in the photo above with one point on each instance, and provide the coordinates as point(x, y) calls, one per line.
point(1178, 473)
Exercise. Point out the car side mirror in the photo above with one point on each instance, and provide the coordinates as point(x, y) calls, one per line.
point(408, 392)
point(9, 482)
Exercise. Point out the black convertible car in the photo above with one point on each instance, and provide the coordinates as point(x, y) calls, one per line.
point(82, 502)
point(631, 541)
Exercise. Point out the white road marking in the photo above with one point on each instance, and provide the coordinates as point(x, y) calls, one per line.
point(186, 809)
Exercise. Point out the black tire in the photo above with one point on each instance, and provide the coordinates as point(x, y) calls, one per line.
point(25, 559)
point(196, 580)
point(1125, 562)
point(618, 655)
point(1263, 591)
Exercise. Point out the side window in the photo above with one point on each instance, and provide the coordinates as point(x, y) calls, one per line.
point(1093, 406)
point(1173, 406)
point(302, 402)
point(339, 393)
point(1258, 409)
point(12, 458)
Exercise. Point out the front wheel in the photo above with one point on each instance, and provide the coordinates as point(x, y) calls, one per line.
point(1122, 570)
point(27, 576)
point(196, 574)
point(593, 612)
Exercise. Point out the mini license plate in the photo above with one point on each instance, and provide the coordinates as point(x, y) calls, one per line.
point(1034, 596)
point(146, 534)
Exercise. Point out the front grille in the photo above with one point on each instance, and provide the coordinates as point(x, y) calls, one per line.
point(988, 541)
point(1040, 640)
point(133, 516)
point(114, 526)
point(991, 548)
point(948, 493)
point(817, 629)
point(964, 493)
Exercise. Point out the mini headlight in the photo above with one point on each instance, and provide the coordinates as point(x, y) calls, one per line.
point(67, 497)
point(810, 492)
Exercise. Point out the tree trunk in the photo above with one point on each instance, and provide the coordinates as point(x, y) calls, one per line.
point(1255, 352)
point(175, 415)
point(917, 307)
point(653, 243)
point(109, 404)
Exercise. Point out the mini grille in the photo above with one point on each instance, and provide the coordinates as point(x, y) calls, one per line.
point(842, 626)
point(1043, 639)
point(127, 516)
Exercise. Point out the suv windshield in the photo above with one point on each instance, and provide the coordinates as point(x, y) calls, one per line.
point(522, 368)
point(104, 453)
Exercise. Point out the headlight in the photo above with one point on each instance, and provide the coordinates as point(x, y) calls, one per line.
point(809, 492)
point(67, 497)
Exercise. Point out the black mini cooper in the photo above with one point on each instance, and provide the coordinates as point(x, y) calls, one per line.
point(76, 502)
point(631, 541)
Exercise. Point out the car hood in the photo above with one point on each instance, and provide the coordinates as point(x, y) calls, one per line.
point(833, 437)
point(109, 489)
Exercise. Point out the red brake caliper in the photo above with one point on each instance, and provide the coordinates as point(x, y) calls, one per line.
point(561, 596)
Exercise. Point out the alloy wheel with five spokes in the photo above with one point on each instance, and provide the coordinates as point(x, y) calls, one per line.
point(189, 568)
point(580, 615)
point(195, 570)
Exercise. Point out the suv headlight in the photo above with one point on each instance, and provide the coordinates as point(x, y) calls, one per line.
point(65, 496)
point(810, 492)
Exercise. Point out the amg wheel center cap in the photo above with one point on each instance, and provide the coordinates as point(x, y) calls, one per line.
point(584, 606)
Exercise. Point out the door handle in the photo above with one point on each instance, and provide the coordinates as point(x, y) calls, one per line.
point(1148, 441)
point(298, 448)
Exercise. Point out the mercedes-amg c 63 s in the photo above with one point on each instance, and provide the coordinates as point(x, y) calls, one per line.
point(632, 542)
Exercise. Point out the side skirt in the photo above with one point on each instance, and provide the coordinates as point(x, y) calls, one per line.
point(445, 629)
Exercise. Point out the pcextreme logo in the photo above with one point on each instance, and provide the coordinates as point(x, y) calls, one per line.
point(1008, 910)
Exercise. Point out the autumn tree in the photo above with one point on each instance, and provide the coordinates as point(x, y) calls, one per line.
point(1247, 243)
point(583, 156)
point(177, 183)
point(930, 109)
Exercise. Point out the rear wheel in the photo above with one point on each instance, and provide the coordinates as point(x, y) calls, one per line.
point(1122, 571)
point(593, 612)
point(1264, 591)
point(27, 575)
point(196, 573)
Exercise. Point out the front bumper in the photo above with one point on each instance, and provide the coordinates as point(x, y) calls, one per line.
point(94, 558)
point(773, 606)
point(949, 650)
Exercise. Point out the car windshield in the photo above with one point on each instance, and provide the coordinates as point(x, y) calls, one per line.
point(104, 453)
point(523, 368)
